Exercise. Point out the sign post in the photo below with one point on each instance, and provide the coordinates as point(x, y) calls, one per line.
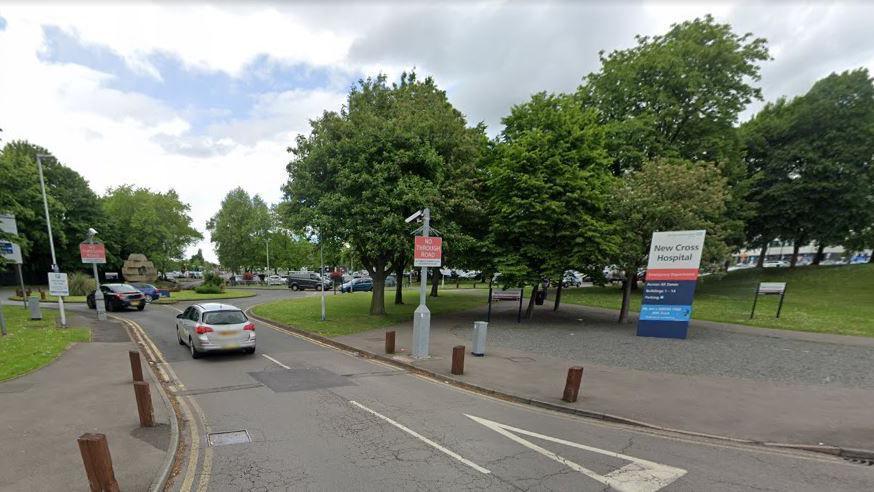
point(95, 253)
point(671, 275)
point(45, 203)
point(427, 253)
point(768, 289)
point(12, 251)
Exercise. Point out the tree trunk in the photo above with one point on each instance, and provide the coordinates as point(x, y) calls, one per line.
point(760, 263)
point(796, 245)
point(558, 296)
point(529, 313)
point(626, 298)
point(457, 281)
point(871, 258)
point(377, 299)
point(435, 281)
point(818, 257)
point(634, 279)
point(399, 287)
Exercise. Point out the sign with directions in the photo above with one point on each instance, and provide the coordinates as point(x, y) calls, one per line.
point(9, 250)
point(58, 284)
point(92, 252)
point(428, 251)
point(671, 275)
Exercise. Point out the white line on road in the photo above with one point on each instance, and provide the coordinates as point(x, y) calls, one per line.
point(638, 476)
point(423, 439)
point(280, 364)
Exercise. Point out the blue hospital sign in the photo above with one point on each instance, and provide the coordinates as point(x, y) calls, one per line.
point(671, 275)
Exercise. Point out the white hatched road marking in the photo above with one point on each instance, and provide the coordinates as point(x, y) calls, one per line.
point(280, 364)
point(424, 439)
point(638, 476)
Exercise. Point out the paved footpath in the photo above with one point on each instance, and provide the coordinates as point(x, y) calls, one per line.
point(87, 389)
point(298, 415)
point(744, 383)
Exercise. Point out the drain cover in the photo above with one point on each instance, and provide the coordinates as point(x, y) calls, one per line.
point(225, 438)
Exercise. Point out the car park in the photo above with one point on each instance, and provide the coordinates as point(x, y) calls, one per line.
point(275, 280)
point(214, 327)
point(149, 290)
point(117, 297)
point(358, 285)
point(307, 280)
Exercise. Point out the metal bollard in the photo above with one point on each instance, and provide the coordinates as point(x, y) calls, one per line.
point(98, 462)
point(458, 360)
point(480, 330)
point(136, 368)
point(390, 342)
point(572, 385)
point(33, 304)
point(144, 404)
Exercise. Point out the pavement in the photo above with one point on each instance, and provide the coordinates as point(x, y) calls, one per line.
point(301, 415)
point(87, 389)
point(726, 380)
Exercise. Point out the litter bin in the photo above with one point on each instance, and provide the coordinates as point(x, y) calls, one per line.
point(480, 329)
point(33, 305)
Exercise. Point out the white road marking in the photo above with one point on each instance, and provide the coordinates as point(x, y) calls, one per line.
point(638, 476)
point(280, 364)
point(424, 439)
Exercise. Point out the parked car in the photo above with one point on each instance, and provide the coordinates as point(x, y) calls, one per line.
point(150, 291)
point(572, 278)
point(118, 296)
point(215, 327)
point(391, 281)
point(357, 284)
point(776, 264)
point(275, 280)
point(307, 280)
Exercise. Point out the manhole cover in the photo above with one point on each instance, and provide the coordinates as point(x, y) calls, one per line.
point(300, 379)
point(225, 438)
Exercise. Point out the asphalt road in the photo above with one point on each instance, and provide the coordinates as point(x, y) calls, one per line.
point(322, 419)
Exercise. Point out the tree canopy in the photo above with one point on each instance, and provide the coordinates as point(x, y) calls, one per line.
point(240, 230)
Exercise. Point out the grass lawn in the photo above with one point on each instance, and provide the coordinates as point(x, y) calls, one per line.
point(347, 313)
point(30, 344)
point(71, 299)
point(190, 295)
point(829, 299)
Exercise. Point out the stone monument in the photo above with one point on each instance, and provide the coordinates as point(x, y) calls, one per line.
point(137, 268)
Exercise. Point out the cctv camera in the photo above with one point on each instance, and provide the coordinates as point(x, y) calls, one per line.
point(92, 231)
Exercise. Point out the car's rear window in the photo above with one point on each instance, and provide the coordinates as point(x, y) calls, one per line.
point(122, 288)
point(224, 317)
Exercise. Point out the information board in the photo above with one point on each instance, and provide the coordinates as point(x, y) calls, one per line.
point(671, 275)
point(58, 285)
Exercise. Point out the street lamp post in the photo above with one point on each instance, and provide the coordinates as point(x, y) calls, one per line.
point(322, 273)
point(99, 305)
point(45, 203)
point(268, 254)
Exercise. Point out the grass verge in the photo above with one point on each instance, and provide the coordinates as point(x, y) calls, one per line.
point(70, 299)
point(348, 313)
point(822, 299)
point(190, 295)
point(30, 345)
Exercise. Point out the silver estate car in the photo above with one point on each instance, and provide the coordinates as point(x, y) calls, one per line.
point(213, 326)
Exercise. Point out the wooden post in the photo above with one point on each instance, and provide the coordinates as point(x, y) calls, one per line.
point(572, 385)
point(458, 360)
point(390, 342)
point(136, 368)
point(98, 462)
point(144, 403)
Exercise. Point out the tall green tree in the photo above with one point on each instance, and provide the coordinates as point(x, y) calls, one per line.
point(812, 162)
point(391, 150)
point(152, 223)
point(240, 230)
point(667, 195)
point(548, 185)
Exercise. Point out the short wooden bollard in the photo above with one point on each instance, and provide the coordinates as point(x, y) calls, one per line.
point(98, 462)
point(458, 359)
point(136, 368)
point(572, 386)
point(144, 403)
point(389, 342)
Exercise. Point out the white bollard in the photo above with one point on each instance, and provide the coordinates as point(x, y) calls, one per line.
point(480, 329)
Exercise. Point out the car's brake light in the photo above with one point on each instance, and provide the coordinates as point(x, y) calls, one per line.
point(202, 329)
point(249, 327)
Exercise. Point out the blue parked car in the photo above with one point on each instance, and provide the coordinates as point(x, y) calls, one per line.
point(357, 284)
point(150, 291)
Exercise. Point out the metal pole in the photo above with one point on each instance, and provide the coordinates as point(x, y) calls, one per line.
point(780, 306)
point(99, 305)
point(268, 256)
point(422, 316)
point(21, 282)
point(55, 267)
point(322, 273)
point(2, 322)
point(755, 300)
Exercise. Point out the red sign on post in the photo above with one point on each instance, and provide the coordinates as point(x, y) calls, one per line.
point(92, 252)
point(428, 252)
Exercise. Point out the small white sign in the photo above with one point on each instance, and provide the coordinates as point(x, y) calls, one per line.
point(772, 287)
point(676, 250)
point(58, 284)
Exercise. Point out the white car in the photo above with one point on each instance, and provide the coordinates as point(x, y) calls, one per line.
point(776, 264)
point(215, 327)
point(274, 280)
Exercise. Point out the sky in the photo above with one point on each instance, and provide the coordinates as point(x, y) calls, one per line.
point(203, 98)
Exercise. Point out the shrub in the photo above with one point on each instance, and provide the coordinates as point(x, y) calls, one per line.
point(80, 284)
point(210, 278)
point(208, 289)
